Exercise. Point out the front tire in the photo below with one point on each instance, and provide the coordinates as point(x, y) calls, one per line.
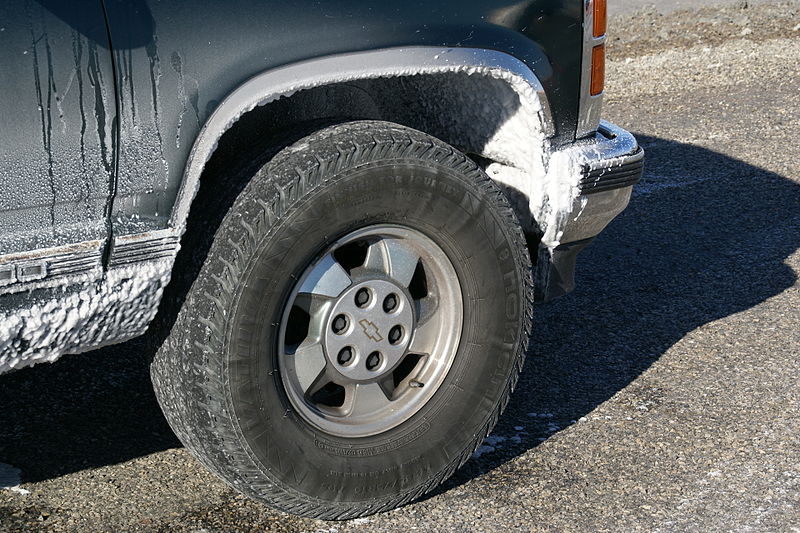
point(357, 327)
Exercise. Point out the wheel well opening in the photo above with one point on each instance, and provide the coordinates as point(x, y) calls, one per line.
point(481, 114)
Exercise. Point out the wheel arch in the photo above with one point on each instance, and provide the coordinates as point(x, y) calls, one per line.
point(486, 103)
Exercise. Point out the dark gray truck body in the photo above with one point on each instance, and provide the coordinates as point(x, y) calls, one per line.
point(110, 111)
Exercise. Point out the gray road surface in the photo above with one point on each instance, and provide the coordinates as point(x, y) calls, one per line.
point(621, 7)
point(663, 395)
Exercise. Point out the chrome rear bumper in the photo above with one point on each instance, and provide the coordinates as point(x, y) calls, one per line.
point(614, 164)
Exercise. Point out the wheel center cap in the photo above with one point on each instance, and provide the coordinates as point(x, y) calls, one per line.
point(368, 329)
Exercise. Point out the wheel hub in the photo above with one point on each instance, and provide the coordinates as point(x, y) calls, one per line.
point(368, 330)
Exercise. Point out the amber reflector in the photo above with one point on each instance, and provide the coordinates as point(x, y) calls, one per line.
point(599, 18)
point(598, 69)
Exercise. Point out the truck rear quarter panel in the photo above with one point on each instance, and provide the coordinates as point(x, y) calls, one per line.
point(177, 61)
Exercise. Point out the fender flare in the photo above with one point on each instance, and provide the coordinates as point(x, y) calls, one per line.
point(391, 62)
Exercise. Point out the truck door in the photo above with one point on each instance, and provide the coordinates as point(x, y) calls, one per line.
point(57, 138)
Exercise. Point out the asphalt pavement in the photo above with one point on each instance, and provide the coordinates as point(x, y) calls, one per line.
point(662, 395)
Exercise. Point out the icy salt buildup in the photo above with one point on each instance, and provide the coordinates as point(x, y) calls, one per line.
point(553, 197)
point(118, 308)
point(542, 184)
point(10, 479)
point(482, 449)
point(547, 195)
point(495, 442)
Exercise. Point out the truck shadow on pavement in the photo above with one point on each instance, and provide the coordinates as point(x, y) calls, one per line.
point(704, 237)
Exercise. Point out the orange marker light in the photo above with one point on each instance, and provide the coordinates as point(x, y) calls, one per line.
point(599, 18)
point(598, 69)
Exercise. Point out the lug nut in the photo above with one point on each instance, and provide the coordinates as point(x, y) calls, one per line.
point(345, 356)
point(373, 360)
point(339, 324)
point(362, 297)
point(395, 334)
point(390, 303)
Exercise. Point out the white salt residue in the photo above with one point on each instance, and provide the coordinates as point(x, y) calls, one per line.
point(117, 308)
point(10, 479)
point(547, 418)
point(654, 183)
point(551, 203)
point(549, 188)
point(482, 449)
point(550, 427)
point(518, 191)
point(496, 442)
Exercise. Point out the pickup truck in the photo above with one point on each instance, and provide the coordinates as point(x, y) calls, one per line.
point(332, 219)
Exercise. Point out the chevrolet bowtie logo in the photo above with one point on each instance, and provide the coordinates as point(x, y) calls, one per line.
point(370, 330)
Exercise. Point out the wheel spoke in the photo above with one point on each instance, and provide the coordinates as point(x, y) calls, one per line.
point(392, 257)
point(364, 399)
point(425, 337)
point(312, 303)
point(316, 306)
point(309, 365)
point(427, 309)
point(426, 334)
point(327, 278)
